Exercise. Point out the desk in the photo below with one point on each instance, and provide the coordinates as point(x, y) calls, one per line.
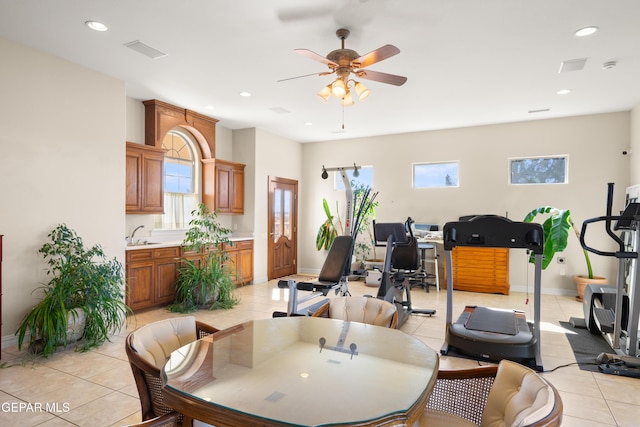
point(430, 243)
point(273, 372)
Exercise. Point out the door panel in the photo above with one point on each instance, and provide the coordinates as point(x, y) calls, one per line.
point(283, 224)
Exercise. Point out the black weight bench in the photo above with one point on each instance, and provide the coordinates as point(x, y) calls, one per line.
point(333, 276)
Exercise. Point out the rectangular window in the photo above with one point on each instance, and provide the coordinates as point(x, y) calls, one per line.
point(538, 170)
point(434, 175)
point(364, 179)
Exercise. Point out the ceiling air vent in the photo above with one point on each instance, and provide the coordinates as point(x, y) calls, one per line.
point(572, 65)
point(145, 49)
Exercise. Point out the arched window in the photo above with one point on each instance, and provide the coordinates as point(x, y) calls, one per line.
point(181, 185)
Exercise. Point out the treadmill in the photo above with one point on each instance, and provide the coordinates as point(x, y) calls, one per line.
point(490, 333)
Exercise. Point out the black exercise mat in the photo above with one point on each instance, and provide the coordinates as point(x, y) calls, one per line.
point(586, 346)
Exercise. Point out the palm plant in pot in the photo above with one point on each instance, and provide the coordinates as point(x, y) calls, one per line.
point(556, 229)
point(84, 295)
point(205, 282)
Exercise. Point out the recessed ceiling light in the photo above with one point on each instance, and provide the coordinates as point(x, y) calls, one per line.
point(563, 91)
point(209, 107)
point(96, 26)
point(586, 31)
point(308, 124)
point(245, 94)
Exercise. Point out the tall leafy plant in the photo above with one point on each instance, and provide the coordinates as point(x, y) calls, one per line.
point(206, 282)
point(80, 278)
point(556, 228)
point(327, 231)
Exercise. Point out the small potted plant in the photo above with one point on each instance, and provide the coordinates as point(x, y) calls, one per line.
point(206, 282)
point(556, 232)
point(84, 295)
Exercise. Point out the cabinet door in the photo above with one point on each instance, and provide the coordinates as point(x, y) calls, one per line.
point(133, 179)
point(244, 265)
point(166, 274)
point(140, 283)
point(237, 191)
point(152, 188)
point(224, 179)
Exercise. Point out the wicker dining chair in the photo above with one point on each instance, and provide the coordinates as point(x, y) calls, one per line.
point(509, 394)
point(149, 347)
point(167, 420)
point(361, 309)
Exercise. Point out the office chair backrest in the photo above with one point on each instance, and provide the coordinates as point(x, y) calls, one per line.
point(405, 256)
point(339, 255)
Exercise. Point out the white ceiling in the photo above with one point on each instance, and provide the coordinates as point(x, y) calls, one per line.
point(468, 62)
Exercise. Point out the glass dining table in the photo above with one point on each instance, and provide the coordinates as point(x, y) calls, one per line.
point(302, 371)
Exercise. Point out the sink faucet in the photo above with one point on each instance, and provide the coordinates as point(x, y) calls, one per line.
point(134, 233)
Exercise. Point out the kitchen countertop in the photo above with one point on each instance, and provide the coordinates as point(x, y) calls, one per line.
point(169, 244)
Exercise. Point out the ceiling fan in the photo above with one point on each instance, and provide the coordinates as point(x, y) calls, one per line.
point(345, 62)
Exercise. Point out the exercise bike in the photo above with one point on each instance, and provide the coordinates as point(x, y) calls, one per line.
point(401, 263)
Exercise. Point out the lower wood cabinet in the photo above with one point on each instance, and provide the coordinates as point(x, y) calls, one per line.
point(479, 269)
point(152, 273)
point(151, 276)
point(241, 259)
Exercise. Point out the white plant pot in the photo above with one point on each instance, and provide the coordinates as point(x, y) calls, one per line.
point(373, 278)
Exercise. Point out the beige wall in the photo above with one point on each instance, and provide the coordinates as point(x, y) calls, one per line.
point(63, 128)
point(274, 156)
point(634, 152)
point(594, 145)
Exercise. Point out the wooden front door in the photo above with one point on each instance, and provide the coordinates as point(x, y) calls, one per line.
point(283, 227)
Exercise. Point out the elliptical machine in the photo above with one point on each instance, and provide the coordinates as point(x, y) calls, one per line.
point(614, 311)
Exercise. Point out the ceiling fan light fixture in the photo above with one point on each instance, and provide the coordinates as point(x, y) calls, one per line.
point(338, 88)
point(362, 91)
point(348, 99)
point(325, 93)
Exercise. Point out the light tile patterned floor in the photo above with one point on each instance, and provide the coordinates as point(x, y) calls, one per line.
point(97, 389)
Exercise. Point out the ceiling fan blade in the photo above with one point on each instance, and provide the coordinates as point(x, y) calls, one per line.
point(377, 76)
point(324, 73)
point(380, 54)
point(312, 55)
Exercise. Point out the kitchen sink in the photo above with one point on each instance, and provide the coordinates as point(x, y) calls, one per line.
point(143, 243)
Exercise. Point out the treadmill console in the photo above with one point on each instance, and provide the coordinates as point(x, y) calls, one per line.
point(494, 231)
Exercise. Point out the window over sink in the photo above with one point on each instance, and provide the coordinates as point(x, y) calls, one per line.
point(181, 184)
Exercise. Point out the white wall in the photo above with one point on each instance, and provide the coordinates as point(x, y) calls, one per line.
point(62, 144)
point(634, 152)
point(272, 155)
point(594, 145)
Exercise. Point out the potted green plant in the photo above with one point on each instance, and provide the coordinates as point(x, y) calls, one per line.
point(206, 282)
point(84, 286)
point(556, 229)
point(327, 231)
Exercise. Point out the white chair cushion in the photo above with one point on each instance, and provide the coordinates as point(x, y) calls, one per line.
point(369, 310)
point(155, 342)
point(518, 397)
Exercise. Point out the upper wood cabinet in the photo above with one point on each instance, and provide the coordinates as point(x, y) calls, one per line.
point(223, 186)
point(144, 170)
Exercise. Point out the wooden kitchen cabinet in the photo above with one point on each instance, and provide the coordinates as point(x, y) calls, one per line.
point(223, 186)
point(479, 269)
point(144, 179)
point(151, 276)
point(241, 259)
point(152, 272)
